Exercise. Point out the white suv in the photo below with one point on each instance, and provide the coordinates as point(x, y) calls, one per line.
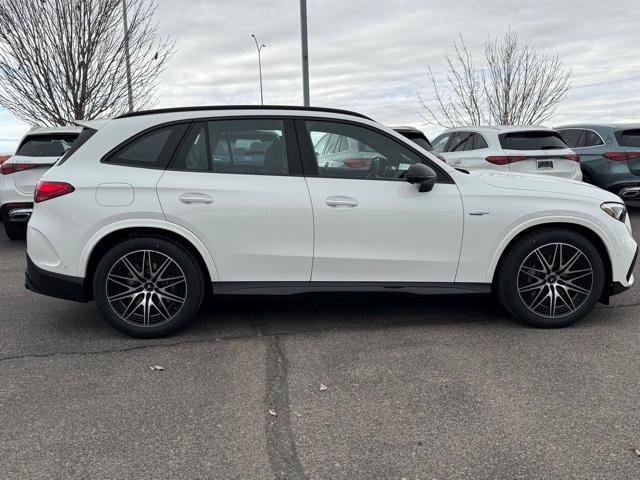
point(154, 209)
point(38, 150)
point(509, 148)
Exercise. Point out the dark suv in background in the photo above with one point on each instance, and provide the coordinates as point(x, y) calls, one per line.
point(609, 156)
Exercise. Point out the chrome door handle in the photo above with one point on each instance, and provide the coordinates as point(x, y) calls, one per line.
point(340, 201)
point(190, 198)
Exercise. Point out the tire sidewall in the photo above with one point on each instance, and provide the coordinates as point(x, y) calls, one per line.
point(186, 261)
point(508, 277)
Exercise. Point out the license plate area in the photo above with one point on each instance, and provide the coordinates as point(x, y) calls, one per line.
point(544, 164)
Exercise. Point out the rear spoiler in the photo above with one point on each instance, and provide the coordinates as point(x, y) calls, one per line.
point(92, 124)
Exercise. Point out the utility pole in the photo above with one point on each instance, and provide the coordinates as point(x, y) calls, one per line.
point(305, 52)
point(127, 58)
point(259, 47)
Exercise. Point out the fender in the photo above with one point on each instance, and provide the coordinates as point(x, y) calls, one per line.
point(148, 223)
point(541, 221)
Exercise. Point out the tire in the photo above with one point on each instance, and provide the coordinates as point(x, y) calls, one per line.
point(123, 275)
point(557, 294)
point(15, 231)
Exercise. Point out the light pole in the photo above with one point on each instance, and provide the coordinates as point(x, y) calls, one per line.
point(305, 52)
point(127, 59)
point(259, 47)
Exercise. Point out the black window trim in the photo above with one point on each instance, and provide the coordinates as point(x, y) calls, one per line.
point(290, 137)
point(310, 166)
point(169, 149)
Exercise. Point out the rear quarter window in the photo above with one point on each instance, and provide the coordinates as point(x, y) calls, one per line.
point(533, 140)
point(49, 145)
point(629, 138)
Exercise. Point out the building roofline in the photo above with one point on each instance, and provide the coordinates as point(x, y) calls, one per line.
point(241, 107)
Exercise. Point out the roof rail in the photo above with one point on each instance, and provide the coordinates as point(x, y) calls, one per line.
point(241, 107)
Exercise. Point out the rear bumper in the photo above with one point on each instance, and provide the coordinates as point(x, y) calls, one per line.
point(53, 284)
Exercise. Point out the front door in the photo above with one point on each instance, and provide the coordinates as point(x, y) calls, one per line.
point(370, 224)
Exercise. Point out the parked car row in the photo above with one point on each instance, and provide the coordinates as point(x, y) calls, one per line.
point(37, 151)
point(149, 212)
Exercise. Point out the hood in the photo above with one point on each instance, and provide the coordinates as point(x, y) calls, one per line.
point(543, 184)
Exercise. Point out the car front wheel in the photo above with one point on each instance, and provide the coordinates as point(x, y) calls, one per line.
point(550, 278)
point(148, 287)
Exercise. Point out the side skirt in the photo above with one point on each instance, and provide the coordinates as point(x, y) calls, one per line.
point(294, 288)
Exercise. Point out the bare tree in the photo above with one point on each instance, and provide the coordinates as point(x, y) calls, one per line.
point(514, 86)
point(62, 60)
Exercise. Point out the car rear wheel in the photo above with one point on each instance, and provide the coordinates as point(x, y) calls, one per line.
point(550, 278)
point(148, 287)
point(15, 231)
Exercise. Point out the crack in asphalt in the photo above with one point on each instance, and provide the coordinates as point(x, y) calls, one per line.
point(281, 446)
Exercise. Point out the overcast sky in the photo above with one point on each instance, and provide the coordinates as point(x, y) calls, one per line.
point(372, 55)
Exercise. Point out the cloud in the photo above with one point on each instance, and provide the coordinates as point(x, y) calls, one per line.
point(372, 55)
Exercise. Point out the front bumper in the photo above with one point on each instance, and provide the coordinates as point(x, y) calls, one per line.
point(617, 287)
point(54, 284)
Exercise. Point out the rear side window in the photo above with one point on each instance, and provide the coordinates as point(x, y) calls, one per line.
point(592, 139)
point(573, 137)
point(533, 140)
point(49, 145)
point(255, 147)
point(629, 138)
point(151, 149)
point(461, 141)
point(479, 142)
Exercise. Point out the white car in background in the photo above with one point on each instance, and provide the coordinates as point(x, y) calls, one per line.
point(38, 150)
point(518, 149)
point(151, 210)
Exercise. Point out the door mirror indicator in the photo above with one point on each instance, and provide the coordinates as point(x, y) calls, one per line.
point(423, 175)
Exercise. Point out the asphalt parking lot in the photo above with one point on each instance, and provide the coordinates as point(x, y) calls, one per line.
point(416, 389)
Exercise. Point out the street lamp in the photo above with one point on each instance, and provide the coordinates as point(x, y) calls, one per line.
point(259, 47)
point(127, 58)
point(305, 52)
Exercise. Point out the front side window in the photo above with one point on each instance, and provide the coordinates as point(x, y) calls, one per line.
point(255, 147)
point(50, 145)
point(440, 142)
point(381, 158)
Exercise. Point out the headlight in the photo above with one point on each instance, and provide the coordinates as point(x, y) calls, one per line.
point(615, 209)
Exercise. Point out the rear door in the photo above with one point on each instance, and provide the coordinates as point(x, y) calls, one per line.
point(539, 151)
point(254, 217)
point(35, 155)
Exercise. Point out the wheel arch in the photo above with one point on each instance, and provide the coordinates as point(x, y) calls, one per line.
point(101, 243)
point(590, 233)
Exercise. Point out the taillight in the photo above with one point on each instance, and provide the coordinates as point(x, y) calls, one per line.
point(507, 159)
point(48, 190)
point(504, 159)
point(621, 156)
point(357, 162)
point(9, 168)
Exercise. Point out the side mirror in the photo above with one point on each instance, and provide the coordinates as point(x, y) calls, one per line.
point(423, 175)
